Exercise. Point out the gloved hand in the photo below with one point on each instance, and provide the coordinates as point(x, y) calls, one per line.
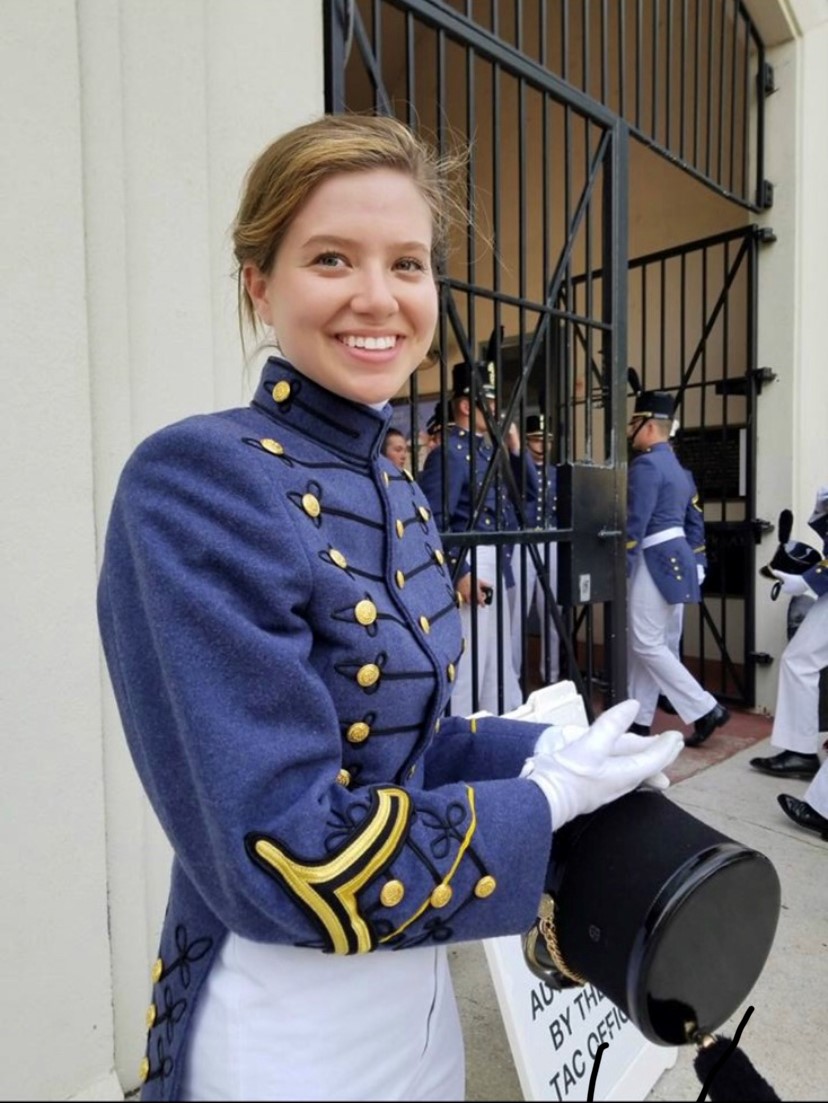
point(793, 583)
point(555, 738)
point(701, 572)
point(600, 764)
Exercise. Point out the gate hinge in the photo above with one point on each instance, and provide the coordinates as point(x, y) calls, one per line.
point(761, 376)
point(765, 77)
point(761, 658)
point(765, 235)
point(760, 527)
point(766, 195)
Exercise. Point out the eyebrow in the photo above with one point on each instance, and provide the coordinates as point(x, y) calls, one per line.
point(332, 239)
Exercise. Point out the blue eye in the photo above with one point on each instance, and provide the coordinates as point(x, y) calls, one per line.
point(329, 260)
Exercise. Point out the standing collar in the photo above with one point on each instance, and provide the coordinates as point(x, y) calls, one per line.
point(347, 427)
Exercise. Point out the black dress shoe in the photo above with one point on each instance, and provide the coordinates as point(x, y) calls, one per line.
point(803, 815)
point(665, 704)
point(640, 729)
point(787, 764)
point(704, 727)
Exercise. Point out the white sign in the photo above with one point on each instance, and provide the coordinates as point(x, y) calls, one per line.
point(556, 1037)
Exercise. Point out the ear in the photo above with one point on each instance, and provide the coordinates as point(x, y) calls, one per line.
point(255, 284)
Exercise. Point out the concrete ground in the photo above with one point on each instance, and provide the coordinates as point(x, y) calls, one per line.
point(785, 1036)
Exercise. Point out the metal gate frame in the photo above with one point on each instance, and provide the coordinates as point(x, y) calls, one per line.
point(592, 536)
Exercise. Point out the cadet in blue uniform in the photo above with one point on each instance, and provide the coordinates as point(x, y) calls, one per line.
point(664, 569)
point(468, 455)
point(796, 716)
point(542, 506)
point(281, 632)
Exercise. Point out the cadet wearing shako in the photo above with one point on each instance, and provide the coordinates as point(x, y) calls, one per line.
point(664, 569)
point(541, 512)
point(796, 716)
point(468, 454)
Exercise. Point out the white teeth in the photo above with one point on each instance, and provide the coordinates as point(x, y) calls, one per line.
point(369, 342)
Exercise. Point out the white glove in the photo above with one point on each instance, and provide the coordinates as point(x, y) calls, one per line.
point(601, 764)
point(793, 583)
point(701, 572)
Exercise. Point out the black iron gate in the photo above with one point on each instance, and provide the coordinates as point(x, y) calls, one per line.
point(696, 336)
point(542, 270)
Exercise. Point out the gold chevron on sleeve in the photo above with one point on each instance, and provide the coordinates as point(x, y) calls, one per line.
point(329, 889)
point(695, 503)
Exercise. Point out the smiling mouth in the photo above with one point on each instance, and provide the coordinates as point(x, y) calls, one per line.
point(371, 343)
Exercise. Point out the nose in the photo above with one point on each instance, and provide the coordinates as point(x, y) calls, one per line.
point(374, 295)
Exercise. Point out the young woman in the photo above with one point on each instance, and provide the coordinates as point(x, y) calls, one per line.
point(282, 636)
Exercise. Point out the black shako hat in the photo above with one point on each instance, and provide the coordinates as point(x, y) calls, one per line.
point(670, 919)
point(461, 377)
point(657, 404)
point(535, 426)
point(791, 556)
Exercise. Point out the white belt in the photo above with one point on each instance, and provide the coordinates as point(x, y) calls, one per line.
point(654, 538)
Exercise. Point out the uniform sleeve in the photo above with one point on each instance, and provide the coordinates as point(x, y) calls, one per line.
point(642, 495)
point(445, 506)
point(694, 524)
point(205, 605)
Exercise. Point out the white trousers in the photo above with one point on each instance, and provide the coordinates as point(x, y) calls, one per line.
point(277, 1022)
point(652, 667)
point(796, 719)
point(492, 650)
point(535, 595)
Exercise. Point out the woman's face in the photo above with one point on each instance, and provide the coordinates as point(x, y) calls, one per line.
point(351, 296)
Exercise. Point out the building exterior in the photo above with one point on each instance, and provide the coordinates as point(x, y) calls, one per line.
point(128, 126)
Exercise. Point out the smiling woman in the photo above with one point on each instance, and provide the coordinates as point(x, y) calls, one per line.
point(282, 634)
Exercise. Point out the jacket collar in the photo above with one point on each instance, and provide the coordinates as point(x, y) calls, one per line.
point(346, 427)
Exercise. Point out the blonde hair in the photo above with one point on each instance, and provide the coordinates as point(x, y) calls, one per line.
point(282, 178)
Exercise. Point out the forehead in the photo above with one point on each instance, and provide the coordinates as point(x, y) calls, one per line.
point(379, 202)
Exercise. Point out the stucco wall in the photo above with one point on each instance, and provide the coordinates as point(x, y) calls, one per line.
point(127, 127)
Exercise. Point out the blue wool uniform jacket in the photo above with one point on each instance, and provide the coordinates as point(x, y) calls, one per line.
point(661, 495)
point(281, 633)
point(470, 455)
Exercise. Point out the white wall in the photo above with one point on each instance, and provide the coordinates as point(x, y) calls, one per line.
point(127, 127)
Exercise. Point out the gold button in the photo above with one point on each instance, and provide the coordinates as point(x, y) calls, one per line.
point(272, 446)
point(365, 612)
point(338, 558)
point(423, 512)
point(392, 893)
point(451, 672)
point(358, 732)
point(157, 970)
point(400, 528)
point(441, 896)
point(438, 555)
point(485, 887)
point(311, 505)
point(368, 675)
point(343, 778)
point(400, 579)
point(143, 1070)
point(281, 391)
point(152, 1013)
point(385, 478)
point(426, 627)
